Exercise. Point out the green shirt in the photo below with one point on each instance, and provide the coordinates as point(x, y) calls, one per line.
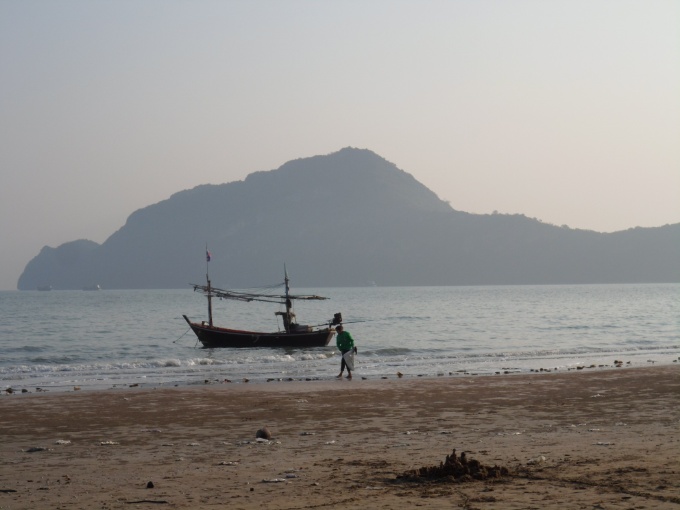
point(344, 341)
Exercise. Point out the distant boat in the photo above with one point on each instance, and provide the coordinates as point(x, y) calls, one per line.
point(293, 334)
point(93, 287)
point(45, 287)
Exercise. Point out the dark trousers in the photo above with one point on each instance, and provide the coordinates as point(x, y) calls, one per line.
point(342, 363)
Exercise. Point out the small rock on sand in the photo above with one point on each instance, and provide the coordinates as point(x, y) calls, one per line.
point(263, 433)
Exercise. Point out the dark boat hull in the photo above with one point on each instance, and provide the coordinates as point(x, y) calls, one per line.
point(212, 336)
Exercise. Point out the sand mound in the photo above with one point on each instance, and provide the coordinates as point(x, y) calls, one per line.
point(460, 469)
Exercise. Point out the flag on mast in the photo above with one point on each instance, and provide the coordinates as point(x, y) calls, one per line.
point(208, 256)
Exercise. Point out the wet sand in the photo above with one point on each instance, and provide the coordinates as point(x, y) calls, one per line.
point(592, 439)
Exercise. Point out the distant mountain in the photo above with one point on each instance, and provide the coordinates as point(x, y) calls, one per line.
point(346, 219)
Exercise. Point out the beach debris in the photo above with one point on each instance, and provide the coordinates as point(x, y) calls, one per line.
point(34, 449)
point(603, 443)
point(307, 433)
point(9, 391)
point(259, 440)
point(330, 442)
point(263, 433)
point(459, 469)
point(150, 485)
point(409, 432)
point(274, 480)
point(76, 388)
point(400, 375)
point(291, 475)
point(108, 443)
point(538, 460)
point(134, 385)
point(62, 441)
point(143, 501)
point(193, 444)
point(228, 463)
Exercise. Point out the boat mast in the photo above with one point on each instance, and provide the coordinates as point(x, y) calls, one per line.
point(210, 322)
point(207, 277)
point(289, 305)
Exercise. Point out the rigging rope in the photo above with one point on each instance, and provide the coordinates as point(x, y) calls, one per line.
point(175, 341)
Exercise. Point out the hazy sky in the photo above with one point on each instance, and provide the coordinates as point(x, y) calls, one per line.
point(567, 111)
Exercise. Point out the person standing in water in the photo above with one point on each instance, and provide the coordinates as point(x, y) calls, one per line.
point(345, 343)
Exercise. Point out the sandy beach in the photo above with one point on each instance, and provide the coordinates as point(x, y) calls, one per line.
point(592, 439)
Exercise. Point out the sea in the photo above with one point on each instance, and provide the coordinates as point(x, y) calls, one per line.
point(92, 340)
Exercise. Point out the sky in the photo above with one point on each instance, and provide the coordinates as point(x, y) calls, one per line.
point(567, 111)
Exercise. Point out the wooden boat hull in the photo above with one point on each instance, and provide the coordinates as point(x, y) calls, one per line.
point(213, 336)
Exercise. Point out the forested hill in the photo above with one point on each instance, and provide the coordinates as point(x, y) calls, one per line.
point(346, 219)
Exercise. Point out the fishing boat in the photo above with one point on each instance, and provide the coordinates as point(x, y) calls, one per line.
point(291, 335)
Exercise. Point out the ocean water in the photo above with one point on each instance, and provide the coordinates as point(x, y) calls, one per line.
point(57, 340)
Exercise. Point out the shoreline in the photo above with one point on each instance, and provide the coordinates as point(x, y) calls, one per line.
point(210, 379)
point(602, 438)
